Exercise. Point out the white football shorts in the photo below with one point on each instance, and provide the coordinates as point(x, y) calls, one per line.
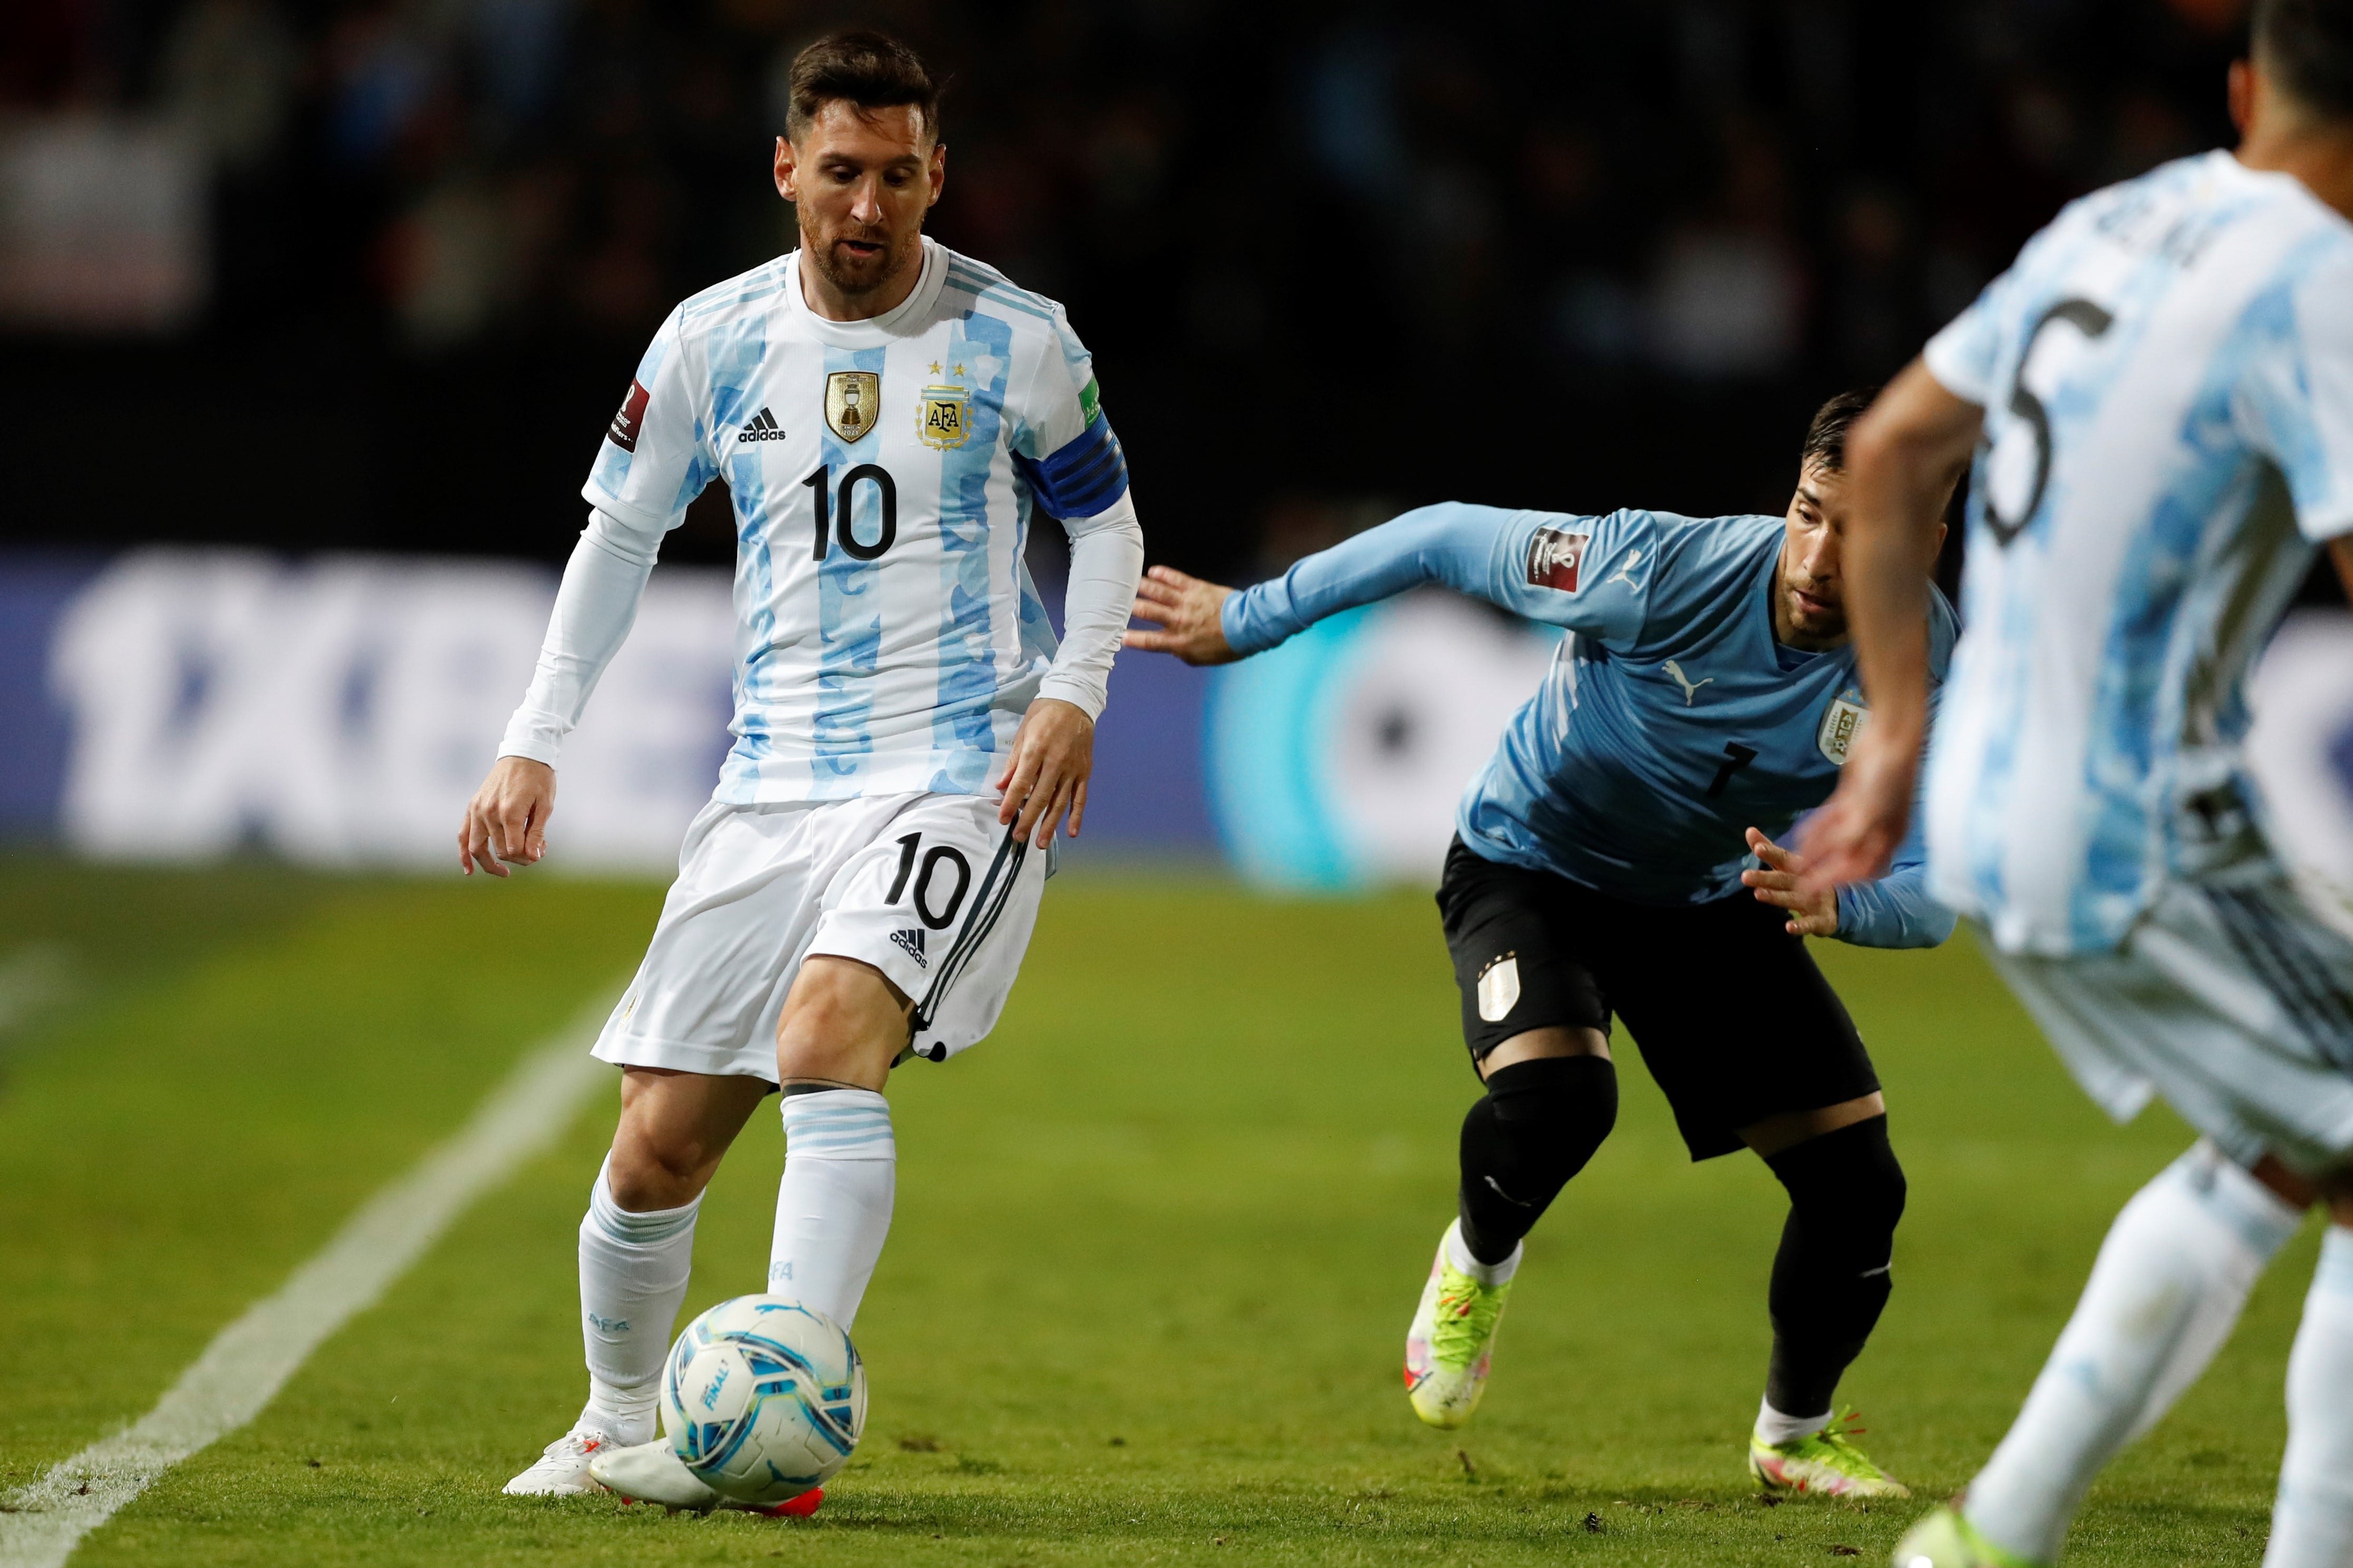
point(2235, 1002)
point(928, 889)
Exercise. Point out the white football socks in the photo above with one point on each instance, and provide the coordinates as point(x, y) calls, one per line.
point(2312, 1522)
point(833, 1207)
point(1458, 1253)
point(1777, 1428)
point(2169, 1282)
point(633, 1273)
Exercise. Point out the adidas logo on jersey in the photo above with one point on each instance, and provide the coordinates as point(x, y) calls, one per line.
point(761, 427)
point(913, 942)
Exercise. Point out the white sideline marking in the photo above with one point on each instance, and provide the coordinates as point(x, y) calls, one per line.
point(246, 1364)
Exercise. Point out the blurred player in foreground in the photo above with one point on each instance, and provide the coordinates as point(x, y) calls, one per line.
point(1706, 686)
point(886, 414)
point(2160, 395)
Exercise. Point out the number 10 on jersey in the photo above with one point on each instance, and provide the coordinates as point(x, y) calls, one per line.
point(834, 509)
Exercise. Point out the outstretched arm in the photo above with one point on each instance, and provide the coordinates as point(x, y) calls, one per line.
point(506, 822)
point(1549, 566)
point(1450, 543)
point(1901, 458)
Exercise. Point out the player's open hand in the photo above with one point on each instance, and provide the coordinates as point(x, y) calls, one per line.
point(1780, 884)
point(1190, 613)
point(506, 822)
point(1053, 756)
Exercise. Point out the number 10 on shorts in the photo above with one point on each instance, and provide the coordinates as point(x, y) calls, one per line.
point(935, 906)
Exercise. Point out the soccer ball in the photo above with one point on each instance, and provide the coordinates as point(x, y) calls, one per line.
point(763, 1398)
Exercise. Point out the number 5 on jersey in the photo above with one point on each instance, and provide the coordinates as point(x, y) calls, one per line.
point(835, 509)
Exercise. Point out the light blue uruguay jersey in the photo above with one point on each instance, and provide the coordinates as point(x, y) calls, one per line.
point(1671, 720)
point(883, 474)
point(2166, 373)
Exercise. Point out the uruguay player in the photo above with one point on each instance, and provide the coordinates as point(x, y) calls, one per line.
point(2160, 394)
point(1707, 689)
point(888, 417)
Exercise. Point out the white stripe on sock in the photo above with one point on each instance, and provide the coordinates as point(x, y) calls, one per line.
point(248, 1362)
point(641, 1227)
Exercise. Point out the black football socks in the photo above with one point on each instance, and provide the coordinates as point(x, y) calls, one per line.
point(1831, 1275)
point(1538, 1123)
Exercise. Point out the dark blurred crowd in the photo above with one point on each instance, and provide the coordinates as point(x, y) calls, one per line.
point(1327, 256)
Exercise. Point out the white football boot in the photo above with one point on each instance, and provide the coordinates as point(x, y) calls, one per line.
point(652, 1472)
point(562, 1467)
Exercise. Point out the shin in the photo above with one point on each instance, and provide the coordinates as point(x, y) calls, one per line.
point(1831, 1277)
point(2312, 1523)
point(2168, 1286)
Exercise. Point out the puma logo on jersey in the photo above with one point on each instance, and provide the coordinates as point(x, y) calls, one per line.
point(761, 427)
point(1625, 573)
point(1691, 687)
point(913, 942)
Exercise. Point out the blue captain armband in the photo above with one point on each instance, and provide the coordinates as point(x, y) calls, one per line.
point(1084, 477)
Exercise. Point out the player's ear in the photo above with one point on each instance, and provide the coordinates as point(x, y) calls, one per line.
point(786, 165)
point(2242, 93)
point(938, 174)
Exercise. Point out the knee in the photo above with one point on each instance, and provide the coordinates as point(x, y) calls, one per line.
point(1552, 1112)
point(657, 1162)
point(1849, 1176)
point(841, 1021)
point(642, 1176)
point(1557, 1091)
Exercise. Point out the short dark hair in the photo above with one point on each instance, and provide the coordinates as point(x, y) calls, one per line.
point(1826, 436)
point(2307, 47)
point(864, 68)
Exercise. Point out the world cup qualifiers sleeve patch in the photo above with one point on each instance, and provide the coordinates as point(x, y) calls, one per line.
point(630, 419)
point(1554, 557)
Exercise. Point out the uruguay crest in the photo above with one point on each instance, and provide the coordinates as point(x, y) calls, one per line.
point(1499, 988)
point(1840, 720)
point(944, 415)
point(853, 401)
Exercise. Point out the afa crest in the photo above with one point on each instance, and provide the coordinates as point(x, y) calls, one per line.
point(1841, 723)
point(944, 415)
point(853, 403)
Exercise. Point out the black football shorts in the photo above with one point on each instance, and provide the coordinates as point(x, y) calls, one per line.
point(1730, 1013)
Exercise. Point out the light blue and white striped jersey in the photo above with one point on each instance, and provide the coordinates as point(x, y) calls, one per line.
point(883, 474)
point(1673, 718)
point(2166, 373)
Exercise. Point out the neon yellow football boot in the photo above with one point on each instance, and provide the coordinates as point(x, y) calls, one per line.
point(1826, 1464)
point(1451, 1341)
point(1943, 1539)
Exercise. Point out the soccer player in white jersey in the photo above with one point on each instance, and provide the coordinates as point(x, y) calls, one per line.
point(888, 415)
point(2159, 393)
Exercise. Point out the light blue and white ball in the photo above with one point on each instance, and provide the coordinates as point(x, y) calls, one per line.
point(763, 1398)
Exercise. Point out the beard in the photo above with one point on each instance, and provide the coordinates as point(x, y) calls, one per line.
point(855, 275)
point(1830, 623)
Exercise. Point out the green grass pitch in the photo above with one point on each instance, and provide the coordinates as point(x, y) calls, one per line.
point(1157, 1244)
